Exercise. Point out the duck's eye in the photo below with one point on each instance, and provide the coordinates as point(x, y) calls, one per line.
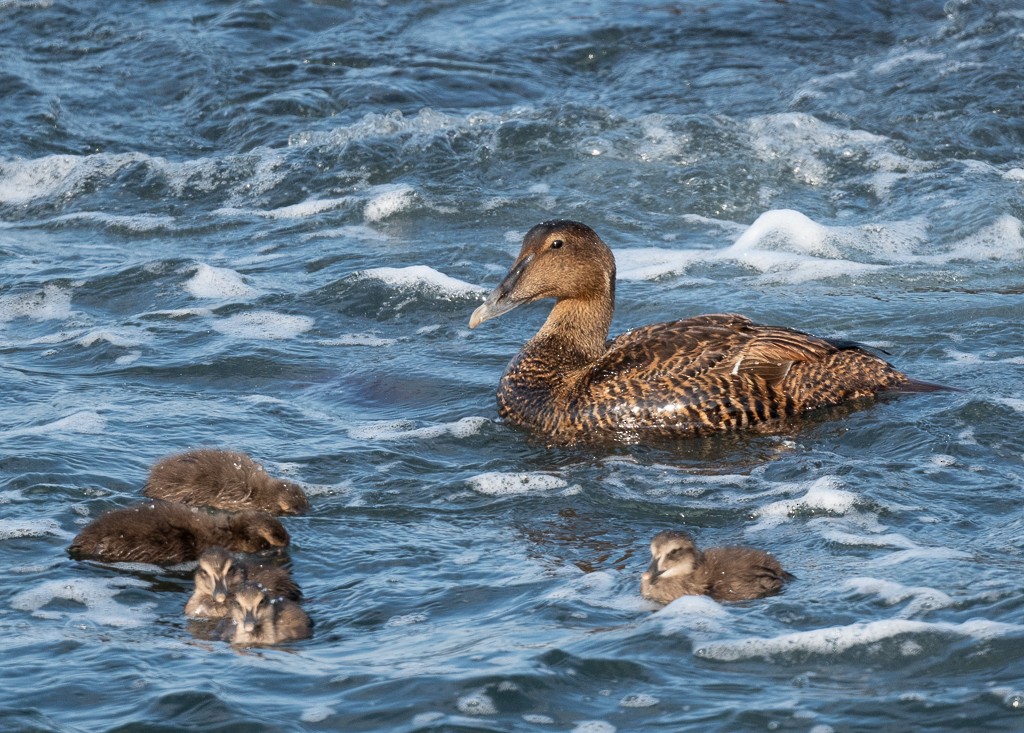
point(557, 244)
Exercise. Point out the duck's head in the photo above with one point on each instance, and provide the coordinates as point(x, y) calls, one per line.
point(673, 554)
point(256, 530)
point(212, 574)
point(251, 607)
point(291, 499)
point(559, 259)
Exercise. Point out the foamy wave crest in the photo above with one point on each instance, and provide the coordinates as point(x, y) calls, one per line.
point(405, 430)
point(358, 339)
point(806, 145)
point(14, 528)
point(787, 246)
point(421, 278)
point(822, 496)
point(302, 210)
point(47, 304)
point(96, 595)
point(79, 422)
point(922, 599)
point(388, 200)
point(136, 223)
point(839, 639)
point(217, 282)
point(263, 325)
point(507, 484)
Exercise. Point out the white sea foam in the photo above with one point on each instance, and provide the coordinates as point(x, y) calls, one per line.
point(97, 596)
point(787, 246)
point(122, 337)
point(14, 528)
point(358, 339)
point(478, 703)
point(922, 599)
point(639, 700)
point(217, 282)
point(387, 200)
point(691, 615)
point(316, 713)
point(265, 325)
point(85, 421)
point(822, 495)
point(406, 430)
point(594, 726)
point(508, 484)
point(422, 278)
point(838, 639)
point(137, 223)
point(49, 303)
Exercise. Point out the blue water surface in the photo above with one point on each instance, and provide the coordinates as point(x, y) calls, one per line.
point(264, 225)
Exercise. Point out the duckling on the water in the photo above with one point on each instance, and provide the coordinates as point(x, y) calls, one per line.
point(220, 574)
point(258, 618)
point(709, 373)
point(224, 480)
point(166, 533)
point(678, 568)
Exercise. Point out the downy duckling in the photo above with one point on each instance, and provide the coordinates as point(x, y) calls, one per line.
point(714, 373)
point(221, 573)
point(224, 480)
point(678, 568)
point(257, 618)
point(167, 533)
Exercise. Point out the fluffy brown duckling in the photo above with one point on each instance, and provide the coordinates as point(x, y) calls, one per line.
point(166, 533)
point(224, 480)
point(678, 568)
point(257, 618)
point(706, 374)
point(220, 574)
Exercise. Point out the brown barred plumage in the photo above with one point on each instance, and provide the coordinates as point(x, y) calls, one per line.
point(695, 376)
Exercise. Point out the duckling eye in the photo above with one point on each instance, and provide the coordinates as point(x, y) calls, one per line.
point(557, 244)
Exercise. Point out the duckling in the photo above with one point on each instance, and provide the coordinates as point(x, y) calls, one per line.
point(224, 480)
point(257, 618)
point(166, 533)
point(678, 568)
point(695, 376)
point(220, 573)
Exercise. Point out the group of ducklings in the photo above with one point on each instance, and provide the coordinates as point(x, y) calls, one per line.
point(209, 506)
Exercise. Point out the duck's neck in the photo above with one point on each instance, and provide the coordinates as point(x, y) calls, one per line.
point(576, 330)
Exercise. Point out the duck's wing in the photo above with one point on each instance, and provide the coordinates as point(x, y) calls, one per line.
point(721, 344)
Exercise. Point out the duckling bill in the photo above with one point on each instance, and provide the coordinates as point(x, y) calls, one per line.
point(694, 376)
point(678, 569)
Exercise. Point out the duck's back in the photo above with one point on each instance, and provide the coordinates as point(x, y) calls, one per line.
point(742, 573)
point(711, 373)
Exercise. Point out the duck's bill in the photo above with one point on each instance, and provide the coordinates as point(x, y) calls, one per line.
point(502, 299)
point(495, 305)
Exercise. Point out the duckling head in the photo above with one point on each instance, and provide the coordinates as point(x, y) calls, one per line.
point(212, 574)
point(251, 607)
point(673, 555)
point(291, 498)
point(256, 530)
point(559, 259)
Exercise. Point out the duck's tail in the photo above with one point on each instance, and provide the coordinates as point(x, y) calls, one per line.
point(916, 385)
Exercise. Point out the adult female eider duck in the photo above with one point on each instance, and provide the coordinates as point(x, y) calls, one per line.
point(678, 569)
point(695, 376)
point(222, 479)
point(163, 532)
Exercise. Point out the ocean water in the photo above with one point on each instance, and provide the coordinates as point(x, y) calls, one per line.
point(264, 225)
